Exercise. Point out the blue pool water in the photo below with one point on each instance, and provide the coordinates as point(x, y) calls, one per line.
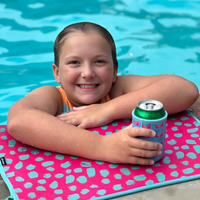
point(152, 37)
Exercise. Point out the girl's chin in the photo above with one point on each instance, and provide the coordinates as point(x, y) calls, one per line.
point(90, 101)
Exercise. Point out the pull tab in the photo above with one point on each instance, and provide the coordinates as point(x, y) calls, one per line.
point(3, 161)
point(150, 106)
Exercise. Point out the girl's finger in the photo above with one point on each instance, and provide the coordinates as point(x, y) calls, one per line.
point(145, 153)
point(135, 132)
point(79, 108)
point(72, 122)
point(141, 161)
point(128, 127)
point(81, 126)
point(145, 145)
point(62, 115)
point(63, 119)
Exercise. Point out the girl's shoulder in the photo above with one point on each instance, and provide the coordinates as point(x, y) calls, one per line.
point(46, 98)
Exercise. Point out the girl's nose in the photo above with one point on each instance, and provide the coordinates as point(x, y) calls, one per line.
point(87, 72)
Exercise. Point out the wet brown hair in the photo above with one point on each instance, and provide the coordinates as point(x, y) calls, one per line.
point(83, 27)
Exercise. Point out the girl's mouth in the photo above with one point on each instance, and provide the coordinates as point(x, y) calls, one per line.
point(91, 86)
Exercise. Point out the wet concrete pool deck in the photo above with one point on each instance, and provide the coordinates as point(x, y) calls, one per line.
point(182, 191)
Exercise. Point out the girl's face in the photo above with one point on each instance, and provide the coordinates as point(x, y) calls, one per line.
point(86, 69)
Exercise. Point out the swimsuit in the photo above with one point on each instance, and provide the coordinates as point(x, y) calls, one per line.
point(68, 106)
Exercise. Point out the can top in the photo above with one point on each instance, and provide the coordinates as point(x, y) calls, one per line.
point(150, 105)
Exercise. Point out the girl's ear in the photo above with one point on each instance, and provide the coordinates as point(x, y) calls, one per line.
point(56, 73)
point(114, 75)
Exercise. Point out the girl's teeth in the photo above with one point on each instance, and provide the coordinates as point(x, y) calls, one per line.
point(87, 86)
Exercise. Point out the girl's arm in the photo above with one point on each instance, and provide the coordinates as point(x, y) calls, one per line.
point(176, 94)
point(32, 121)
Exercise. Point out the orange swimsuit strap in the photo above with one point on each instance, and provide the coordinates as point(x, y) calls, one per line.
point(64, 98)
point(69, 104)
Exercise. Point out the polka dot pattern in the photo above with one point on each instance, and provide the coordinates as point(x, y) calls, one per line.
point(38, 174)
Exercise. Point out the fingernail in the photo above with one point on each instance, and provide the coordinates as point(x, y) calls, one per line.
point(160, 146)
point(153, 133)
point(151, 162)
point(159, 152)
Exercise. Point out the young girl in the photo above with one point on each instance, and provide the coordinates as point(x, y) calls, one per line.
point(86, 67)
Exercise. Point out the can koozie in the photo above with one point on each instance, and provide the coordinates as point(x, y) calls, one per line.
point(158, 125)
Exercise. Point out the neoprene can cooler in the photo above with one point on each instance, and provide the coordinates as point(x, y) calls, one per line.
point(151, 115)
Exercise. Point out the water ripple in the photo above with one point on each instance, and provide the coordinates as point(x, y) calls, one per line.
point(152, 37)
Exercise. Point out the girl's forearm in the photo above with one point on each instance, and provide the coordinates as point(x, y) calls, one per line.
point(44, 131)
point(175, 93)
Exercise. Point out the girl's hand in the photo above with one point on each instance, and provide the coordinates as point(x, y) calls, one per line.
point(91, 116)
point(124, 146)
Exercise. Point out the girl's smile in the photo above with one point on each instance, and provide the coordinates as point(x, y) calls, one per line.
point(88, 87)
point(86, 69)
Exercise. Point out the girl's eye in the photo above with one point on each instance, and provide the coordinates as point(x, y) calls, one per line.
point(100, 61)
point(74, 62)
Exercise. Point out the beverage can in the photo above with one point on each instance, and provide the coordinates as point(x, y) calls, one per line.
point(150, 109)
point(151, 115)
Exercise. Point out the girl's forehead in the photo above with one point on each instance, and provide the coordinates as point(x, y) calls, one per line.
point(82, 34)
point(80, 38)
